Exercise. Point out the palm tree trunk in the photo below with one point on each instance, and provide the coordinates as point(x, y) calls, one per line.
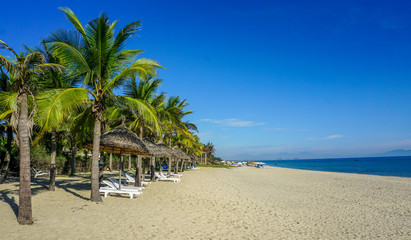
point(25, 211)
point(111, 162)
point(7, 159)
point(205, 158)
point(138, 172)
point(52, 182)
point(95, 185)
point(73, 160)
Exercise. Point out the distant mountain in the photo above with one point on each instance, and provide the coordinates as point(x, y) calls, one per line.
point(397, 152)
point(276, 156)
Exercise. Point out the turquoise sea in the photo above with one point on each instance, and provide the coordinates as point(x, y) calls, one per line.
point(388, 166)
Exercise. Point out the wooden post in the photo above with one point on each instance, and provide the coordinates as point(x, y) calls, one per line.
point(138, 172)
point(169, 166)
point(152, 167)
point(129, 162)
point(176, 166)
point(119, 175)
point(111, 162)
point(182, 166)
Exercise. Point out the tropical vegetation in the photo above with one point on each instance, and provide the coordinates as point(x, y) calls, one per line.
point(74, 86)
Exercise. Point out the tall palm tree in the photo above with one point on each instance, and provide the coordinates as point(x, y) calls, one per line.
point(171, 114)
point(25, 68)
point(8, 108)
point(94, 53)
point(52, 79)
point(144, 91)
point(209, 151)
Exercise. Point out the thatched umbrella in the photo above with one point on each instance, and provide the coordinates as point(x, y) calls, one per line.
point(122, 141)
point(180, 155)
point(169, 151)
point(158, 151)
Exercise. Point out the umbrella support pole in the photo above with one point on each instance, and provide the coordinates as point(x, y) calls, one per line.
point(138, 172)
point(152, 167)
point(119, 175)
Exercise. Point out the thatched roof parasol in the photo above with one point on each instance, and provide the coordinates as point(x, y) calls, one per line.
point(122, 141)
point(166, 149)
point(155, 149)
point(180, 154)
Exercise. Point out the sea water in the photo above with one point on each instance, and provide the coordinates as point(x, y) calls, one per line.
point(388, 166)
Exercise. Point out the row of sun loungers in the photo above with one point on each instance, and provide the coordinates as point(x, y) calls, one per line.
point(113, 185)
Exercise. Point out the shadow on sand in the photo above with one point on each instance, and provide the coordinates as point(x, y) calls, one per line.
point(69, 185)
point(39, 185)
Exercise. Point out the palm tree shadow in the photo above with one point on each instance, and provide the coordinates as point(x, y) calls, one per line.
point(37, 187)
point(70, 185)
point(11, 201)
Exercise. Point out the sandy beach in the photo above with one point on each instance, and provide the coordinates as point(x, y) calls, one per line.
point(241, 203)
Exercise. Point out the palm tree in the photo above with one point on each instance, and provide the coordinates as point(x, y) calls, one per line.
point(209, 150)
point(25, 68)
point(171, 113)
point(8, 108)
point(144, 91)
point(94, 53)
point(52, 79)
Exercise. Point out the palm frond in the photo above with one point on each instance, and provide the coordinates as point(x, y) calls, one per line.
point(3, 45)
point(55, 105)
point(8, 65)
point(74, 20)
point(34, 59)
point(146, 112)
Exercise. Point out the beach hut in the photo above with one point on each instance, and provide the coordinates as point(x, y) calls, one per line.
point(124, 142)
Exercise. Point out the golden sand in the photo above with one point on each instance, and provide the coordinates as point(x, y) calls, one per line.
point(241, 203)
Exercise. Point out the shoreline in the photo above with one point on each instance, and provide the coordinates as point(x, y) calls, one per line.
point(219, 203)
point(266, 166)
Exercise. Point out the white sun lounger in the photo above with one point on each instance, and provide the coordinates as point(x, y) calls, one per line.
point(38, 173)
point(171, 174)
point(112, 189)
point(159, 177)
point(130, 179)
point(108, 190)
point(115, 183)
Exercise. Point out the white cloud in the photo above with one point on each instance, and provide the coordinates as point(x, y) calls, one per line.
point(335, 136)
point(233, 122)
point(288, 129)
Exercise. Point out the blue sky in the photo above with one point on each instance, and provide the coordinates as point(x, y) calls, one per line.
point(266, 79)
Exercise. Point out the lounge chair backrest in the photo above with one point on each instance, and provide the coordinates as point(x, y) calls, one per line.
point(110, 184)
point(128, 176)
point(158, 175)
